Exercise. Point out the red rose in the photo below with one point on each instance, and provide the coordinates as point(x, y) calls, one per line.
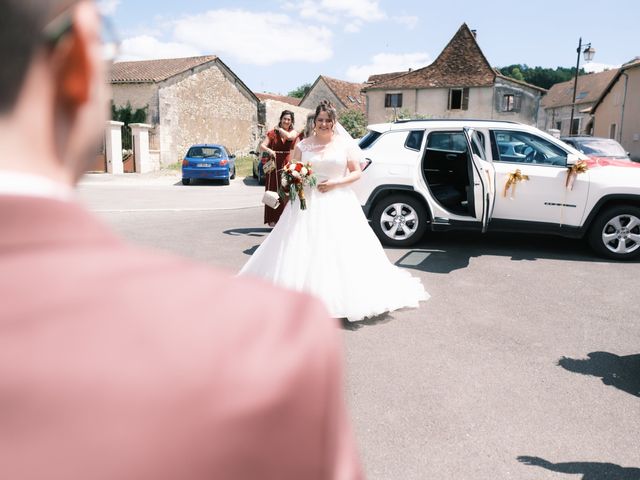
point(298, 167)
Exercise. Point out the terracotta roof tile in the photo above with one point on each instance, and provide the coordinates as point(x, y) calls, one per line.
point(147, 71)
point(460, 64)
point(590, 87)
point(349, 93)
point(383, 77)
point(280, 98)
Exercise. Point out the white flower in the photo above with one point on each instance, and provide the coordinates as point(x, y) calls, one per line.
point(295, 174)
point(303, 171)
point(292, 167)
point(284, 182)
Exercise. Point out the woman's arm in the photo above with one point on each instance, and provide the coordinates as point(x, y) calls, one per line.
point(354, 174)
point(264, 146)
point(290, 135)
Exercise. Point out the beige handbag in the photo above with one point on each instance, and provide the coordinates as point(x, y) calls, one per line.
point(271, 199)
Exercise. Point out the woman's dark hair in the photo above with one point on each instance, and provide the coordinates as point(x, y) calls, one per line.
point(290, 113)
point(325, 106)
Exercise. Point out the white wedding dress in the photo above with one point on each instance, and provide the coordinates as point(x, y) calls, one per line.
point(329, 249)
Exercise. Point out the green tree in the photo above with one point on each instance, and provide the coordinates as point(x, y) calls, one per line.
point(128, 115)
point(539, 76)
point(353, 122)
point(300, 92)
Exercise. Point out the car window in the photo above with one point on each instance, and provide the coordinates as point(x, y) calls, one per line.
point(204, 152)
point(449, 141)
point(525, 147)
point(368, 139)
point(602, 147)
point(477, 145)
point(414, 140)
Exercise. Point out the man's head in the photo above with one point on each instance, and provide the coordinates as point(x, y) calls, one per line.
point(52, 86)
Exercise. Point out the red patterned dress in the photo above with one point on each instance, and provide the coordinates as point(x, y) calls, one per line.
point(283, 149)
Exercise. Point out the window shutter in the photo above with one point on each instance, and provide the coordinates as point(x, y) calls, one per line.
point(465, 98)
point(387, 100)
point(517, 102)
point(399, 102)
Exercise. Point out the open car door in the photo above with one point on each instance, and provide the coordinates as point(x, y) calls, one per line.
point(484, 177)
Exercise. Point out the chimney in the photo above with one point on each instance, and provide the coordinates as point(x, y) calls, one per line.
point(474, 33)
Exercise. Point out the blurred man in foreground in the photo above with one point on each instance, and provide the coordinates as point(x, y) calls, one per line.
point(111, 365)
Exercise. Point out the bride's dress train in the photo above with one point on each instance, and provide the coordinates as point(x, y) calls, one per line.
point(330, 251)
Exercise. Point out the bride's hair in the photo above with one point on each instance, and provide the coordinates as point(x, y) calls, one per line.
point(325, 106)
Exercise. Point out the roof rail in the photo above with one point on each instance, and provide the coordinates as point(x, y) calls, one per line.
point(451, 120)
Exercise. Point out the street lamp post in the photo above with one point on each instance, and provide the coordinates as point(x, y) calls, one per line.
point(588, 52)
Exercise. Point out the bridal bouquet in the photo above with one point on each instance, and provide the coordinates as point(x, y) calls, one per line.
point(295, 175)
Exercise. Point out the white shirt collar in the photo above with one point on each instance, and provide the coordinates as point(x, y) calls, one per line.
point(28, 185)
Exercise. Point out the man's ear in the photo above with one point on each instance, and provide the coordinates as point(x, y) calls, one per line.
point(74, 74)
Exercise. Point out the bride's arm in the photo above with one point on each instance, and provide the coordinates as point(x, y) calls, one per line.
point(353, 165)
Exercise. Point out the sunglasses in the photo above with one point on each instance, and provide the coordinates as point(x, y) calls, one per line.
point(56, 29)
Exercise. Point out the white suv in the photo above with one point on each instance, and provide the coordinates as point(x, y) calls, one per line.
point(490, 175)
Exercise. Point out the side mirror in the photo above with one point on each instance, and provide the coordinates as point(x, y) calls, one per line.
point(572, 159)
point(232, 155)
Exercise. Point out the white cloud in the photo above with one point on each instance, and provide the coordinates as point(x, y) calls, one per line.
point(353, 26)
point(409, 21)
point(334, 11)
point(593, 67)
point(108, 7)
point(146, 47)
point(386, 63)
point(257, 38)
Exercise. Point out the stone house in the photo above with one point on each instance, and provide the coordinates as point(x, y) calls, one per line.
point(617, 111)
point(460, 83)
point(556, 104)
point(343, 95)
point(189, 100)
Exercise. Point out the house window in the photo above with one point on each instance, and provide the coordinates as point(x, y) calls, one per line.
point(612, 131)
point(508, 103)
point(458, 99)
point(559, 125)
point(575, 127)
point(393, 100)
point(353, 100)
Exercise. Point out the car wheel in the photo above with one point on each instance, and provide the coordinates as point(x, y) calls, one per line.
point(399, 220)
point(234, 173)
point(186, 181)
point(615, 233)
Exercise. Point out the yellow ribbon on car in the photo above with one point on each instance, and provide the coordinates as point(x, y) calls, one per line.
point(512, 180)
point(573, 171)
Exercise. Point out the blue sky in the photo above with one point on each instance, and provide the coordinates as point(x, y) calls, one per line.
point(277, 45)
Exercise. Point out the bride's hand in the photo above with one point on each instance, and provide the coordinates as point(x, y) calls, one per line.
point(327, 185)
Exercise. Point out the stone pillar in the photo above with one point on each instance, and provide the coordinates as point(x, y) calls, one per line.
point(140, 134)
point(113, 147)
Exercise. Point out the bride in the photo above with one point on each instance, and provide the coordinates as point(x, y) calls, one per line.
point(329, 250)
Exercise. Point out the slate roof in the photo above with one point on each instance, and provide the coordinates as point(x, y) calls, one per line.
point(150, 71)
point(349, 93)
point(460, 64)
point(590, 88)
point(280, 98)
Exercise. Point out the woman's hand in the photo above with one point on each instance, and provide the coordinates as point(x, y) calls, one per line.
point(328, 185)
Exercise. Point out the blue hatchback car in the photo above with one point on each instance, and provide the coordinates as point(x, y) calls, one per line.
point(208, 161)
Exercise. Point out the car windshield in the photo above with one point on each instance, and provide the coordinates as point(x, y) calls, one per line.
point(601, 147)
point(204, 152)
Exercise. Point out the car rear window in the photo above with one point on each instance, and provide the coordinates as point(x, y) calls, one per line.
point(204, 152)
point(368, 139)
point(414, 140)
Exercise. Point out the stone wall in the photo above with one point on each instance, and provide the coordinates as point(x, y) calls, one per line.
point(139, 95)
point(274, 108)
point(321, 91)
point(526, 102)
point(205, 106)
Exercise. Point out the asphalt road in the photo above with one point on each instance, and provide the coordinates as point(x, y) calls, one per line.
point(523, 364)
